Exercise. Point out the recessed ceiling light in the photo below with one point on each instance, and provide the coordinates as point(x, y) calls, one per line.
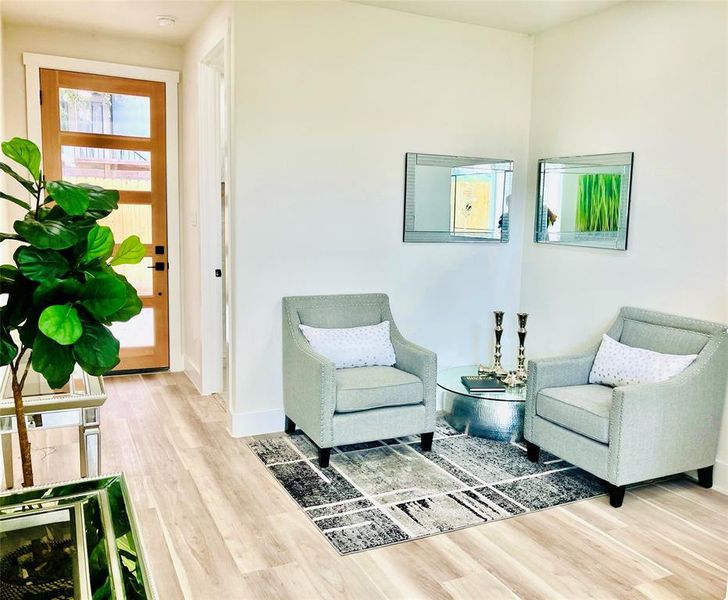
point(166, 21)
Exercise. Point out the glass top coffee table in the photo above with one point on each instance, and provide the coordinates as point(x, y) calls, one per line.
point(492, 415)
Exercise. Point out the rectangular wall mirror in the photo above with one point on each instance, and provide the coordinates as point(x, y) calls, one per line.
point(456, 198)
point(584, 200)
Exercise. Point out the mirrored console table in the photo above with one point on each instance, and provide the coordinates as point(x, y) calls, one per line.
point(74, 539)
point(78, 404)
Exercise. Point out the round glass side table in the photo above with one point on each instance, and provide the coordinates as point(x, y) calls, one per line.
point(492, 415)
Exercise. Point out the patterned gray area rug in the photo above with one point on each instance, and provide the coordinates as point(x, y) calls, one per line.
point(388, 491)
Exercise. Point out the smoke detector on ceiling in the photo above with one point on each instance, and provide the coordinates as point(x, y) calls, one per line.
point(166, 21)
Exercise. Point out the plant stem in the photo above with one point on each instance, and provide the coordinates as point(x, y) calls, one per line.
point(23, 441)
point(38, 194)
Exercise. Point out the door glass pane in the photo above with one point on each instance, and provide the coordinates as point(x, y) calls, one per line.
point(108, 168)
point(137, 332)
point(100, 112)
point(139, 275)
point(131, 219)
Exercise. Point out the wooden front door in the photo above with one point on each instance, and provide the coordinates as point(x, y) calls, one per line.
point(110, 131)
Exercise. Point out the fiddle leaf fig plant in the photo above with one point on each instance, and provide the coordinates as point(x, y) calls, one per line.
point(62, 292)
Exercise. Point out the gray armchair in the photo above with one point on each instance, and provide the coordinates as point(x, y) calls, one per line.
point(333, 406)
point(637, 432)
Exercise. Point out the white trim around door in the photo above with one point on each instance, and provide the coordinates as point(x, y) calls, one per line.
point(211, 168)
point(214, 65)
point(33, 64)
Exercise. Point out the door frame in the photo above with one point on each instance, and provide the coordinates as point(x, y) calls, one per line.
point(33, 64)
point(215, 62)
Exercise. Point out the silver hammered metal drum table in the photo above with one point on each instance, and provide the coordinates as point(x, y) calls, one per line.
point(492, 415)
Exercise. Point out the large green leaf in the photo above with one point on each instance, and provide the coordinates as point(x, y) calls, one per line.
point(28, 185)
point(25, 153)
point(98, 268)
point(54, 361)
point(79, 225)
point(8, 349)
point(103, 296)
point(14, 200)
point(131, 251)
point(82, 225)
point(71, 198)
point(97, 351)
point(29, 329)
point(48, 233)
point(8, 273)
point(99, 244)
point(104, 592)
point(100, 199)
point(57, 291)
point(39, 265)
point(60, 322)
point(132, 304)
point(20, 297)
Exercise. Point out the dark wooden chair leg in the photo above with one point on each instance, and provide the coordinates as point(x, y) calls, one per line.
point(426, 441)
point(324, 455)
point(532, 452)
point(290, 426)
point(705, 476)
point(616, 495)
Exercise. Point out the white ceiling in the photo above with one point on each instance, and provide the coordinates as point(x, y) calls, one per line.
point(524, 16)
point(137, 17)
point(134, 18)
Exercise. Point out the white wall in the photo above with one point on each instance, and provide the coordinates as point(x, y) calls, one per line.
point(328, 99)
point(196, 49)
point(649, 78)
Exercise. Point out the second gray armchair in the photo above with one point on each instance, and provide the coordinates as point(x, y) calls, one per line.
point(633, 433)
point(333, 406)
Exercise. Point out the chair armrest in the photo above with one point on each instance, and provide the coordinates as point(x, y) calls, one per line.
point(418, 361)
point(554, 372)
point(559, 372)
point(667, 427)
point(309, 387)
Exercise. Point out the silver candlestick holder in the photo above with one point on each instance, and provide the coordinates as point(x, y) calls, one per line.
point(512, 380)
point(497, 369)
point(521, 372)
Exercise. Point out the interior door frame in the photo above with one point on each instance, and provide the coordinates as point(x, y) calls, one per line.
point(215, 62)
point(33, 64)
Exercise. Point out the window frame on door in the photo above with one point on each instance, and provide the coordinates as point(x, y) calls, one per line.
point(33, 64)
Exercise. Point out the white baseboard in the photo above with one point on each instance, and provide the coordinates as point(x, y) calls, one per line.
point(720, 477)
point(193, 372)
point(256, 422)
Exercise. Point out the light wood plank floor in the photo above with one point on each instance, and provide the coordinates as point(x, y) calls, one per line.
point(216, 525)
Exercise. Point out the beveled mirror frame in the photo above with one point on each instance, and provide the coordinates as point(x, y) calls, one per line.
point(410, 234)
point(588, 239)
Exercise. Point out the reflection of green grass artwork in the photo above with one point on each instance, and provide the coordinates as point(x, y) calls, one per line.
point(598, 202)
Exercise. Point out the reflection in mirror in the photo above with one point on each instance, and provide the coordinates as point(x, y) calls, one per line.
point(584, 200)
point(456, 198)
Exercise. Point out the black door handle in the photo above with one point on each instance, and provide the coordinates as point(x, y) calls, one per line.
point(157, 266)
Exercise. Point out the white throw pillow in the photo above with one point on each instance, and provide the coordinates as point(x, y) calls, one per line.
point(618, 364)
point(367, 346)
